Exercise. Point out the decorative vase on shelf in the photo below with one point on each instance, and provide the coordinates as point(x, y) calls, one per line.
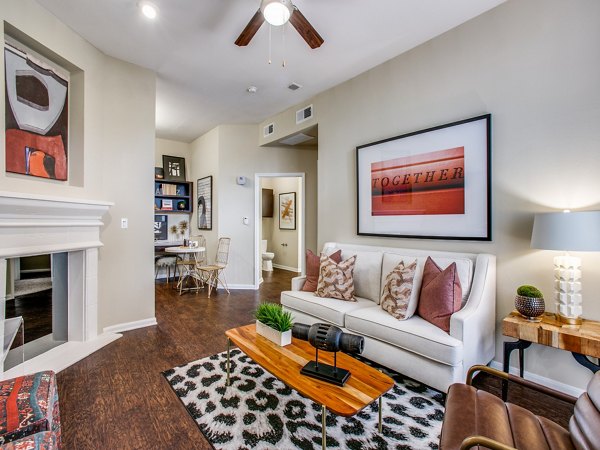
point(273, 323)
point(529, 302)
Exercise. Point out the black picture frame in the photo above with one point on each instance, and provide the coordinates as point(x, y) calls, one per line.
point(287, 211)
point(161, 227)
point(428, 184)
point(204, 196)
point(174, 168)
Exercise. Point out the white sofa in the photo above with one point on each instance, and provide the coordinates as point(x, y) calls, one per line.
point(413, 347)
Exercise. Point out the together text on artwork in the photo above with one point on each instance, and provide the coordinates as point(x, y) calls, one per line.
point(428, 183)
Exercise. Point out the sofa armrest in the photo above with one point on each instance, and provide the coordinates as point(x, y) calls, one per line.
point(475, 324)
point(298, 282)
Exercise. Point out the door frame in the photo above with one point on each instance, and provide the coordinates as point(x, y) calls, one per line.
point(258, 217)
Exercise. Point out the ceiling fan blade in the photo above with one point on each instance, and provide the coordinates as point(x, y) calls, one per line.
point(250, 30)
point(306, 30)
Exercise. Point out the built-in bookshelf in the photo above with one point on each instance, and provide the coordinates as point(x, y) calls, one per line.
point(173, 196)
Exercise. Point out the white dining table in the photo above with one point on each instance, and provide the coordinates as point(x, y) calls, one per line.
point(189, 270)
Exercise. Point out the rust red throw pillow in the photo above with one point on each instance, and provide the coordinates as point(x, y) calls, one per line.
point(441, 294)
point(312, 269)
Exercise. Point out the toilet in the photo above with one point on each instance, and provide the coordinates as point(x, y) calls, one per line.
point(267, 257)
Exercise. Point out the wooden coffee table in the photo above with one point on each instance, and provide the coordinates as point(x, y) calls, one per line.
point(364, 386)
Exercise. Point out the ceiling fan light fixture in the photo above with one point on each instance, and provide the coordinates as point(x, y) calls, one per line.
point(276, 12)
point(148, 9)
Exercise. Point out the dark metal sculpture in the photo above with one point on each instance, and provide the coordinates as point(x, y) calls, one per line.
point(329, 338)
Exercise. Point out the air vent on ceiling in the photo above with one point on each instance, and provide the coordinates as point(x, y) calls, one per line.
point(269, 130)
point(304, 114)
point(296, 139)
point(294, 86)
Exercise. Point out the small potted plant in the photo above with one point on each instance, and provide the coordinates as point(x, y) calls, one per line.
point(273, 323)
point(530, 303)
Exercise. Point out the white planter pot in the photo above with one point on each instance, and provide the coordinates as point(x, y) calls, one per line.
point(280, 338)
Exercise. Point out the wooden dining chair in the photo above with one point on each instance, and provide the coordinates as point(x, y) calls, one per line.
point(213, 274)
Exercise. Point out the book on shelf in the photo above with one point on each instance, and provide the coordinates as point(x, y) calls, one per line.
point(167, 205)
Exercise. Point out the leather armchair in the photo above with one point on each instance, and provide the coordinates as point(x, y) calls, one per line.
point(477, 418)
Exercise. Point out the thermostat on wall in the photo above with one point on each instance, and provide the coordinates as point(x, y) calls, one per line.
point(241, 180)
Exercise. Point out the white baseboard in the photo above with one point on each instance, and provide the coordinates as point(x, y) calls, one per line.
point(240, 286)
point(548, 382)
point(120, 327)
point(288, 268)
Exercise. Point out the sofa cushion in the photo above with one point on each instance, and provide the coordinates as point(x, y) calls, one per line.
point(336, 279)
point(327, 309)
point(367, 273)
point(441, 294)
point(464, 269)
point(313, 262)
point(415, 335)
point(398, 297)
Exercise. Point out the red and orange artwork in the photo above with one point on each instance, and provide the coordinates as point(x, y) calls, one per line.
point(428, 183)
point(36, 118)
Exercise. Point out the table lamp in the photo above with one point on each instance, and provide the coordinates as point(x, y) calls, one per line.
point(567, 231)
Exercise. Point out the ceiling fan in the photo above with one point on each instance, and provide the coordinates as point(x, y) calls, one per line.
point(278, 12)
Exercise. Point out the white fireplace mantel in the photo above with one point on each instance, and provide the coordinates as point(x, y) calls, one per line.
point(38, 224)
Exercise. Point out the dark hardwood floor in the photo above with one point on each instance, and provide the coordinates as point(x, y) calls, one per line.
point(36, 310)
point(117, 398)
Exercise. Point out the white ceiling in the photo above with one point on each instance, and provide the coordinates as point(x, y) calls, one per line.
point(203, 76)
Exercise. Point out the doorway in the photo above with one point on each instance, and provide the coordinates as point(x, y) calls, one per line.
point(283, 226)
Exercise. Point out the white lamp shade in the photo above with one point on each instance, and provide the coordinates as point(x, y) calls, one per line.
point(567, 231)
point(276, 12)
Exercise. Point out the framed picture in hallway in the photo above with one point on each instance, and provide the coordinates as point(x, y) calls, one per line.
point(174, 168)
point(204, 190)
point(427, 184)
point(287, 211)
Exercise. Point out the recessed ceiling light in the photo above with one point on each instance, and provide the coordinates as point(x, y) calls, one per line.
point(252, 89)
point(148, 10)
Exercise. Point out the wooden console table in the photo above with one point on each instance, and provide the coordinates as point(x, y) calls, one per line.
point(581, 340)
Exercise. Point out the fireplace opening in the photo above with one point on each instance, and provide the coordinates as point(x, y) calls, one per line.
point(38, 292)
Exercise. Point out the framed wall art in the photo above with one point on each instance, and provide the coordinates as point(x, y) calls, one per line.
point(174, 168)
point(37, 117)
point(428, 184)
point(204, 190)
point(287, 211)
point(160, 227)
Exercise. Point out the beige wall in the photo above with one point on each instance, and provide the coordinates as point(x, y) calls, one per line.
point(240, 155)
point(115, 148)
point(534, 65)
point(205, 162)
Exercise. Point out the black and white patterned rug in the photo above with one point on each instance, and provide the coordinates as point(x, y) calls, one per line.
point(260, 412)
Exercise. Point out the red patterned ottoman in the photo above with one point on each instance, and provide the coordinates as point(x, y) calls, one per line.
point(45, 440)
point(29, 405)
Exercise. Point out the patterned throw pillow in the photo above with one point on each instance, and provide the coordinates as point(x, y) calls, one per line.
point(313, 263)
point(336, 279)
point(397, 297)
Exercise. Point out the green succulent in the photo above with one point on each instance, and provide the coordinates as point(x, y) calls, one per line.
point(273, 315)
point(529, 291)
